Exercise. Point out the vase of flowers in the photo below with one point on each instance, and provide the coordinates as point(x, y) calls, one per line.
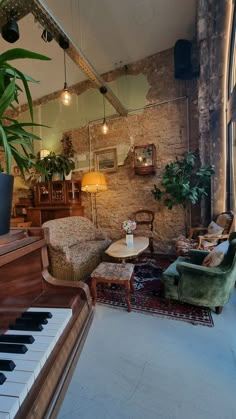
point(129, 226)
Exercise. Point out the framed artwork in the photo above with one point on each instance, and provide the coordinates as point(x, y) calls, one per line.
point(105, 160)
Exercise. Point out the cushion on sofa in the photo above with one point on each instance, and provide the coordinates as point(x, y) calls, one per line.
point(222, 247)
point(213, 259)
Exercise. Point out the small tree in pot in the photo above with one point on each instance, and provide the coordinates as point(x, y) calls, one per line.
point(15, 139)
point(184, 182)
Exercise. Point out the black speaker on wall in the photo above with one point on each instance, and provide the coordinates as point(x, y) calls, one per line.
point(182, 57)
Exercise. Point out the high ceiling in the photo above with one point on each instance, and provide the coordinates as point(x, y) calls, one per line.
point(110, 33)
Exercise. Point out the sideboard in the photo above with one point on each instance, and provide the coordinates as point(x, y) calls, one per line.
point(56, 199)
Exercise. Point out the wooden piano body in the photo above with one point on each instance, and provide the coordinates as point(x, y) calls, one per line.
point(25, 281)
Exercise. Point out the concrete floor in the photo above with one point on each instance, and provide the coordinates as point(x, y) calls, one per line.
point(137, 366)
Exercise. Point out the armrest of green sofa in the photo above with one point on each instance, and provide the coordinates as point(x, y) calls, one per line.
point(186, 268)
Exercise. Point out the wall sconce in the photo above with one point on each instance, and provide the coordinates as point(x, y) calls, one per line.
point(10, 31)
point(66, 95)
point(103, 91)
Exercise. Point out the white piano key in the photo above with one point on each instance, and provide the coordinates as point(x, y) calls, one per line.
point(9, 406)
point(18, 390)
point(27, 356)
point(28, 365)
point(33, 366)
point(24, 377)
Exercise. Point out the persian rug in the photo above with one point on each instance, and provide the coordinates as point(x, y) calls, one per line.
point(148, 296)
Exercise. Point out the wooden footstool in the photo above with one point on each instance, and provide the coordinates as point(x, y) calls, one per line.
point(113, 273)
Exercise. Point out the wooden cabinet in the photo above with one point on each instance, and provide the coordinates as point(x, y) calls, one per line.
point(58, 199)
point(59, 192)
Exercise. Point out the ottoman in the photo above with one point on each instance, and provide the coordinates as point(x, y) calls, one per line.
point(113, 273)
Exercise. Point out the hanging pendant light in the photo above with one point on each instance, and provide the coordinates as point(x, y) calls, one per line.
point(105, 129)
point(66, 97)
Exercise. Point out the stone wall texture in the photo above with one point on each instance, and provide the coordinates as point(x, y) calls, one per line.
point(169, 120)
point(171, 123)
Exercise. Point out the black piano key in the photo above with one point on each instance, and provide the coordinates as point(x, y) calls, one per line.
point(37, 314)
point(12, 348)
point(33, 319)
point(7, 365)
point(31, 327)
point(2, 378)
point(17, 338)
point(26, 321)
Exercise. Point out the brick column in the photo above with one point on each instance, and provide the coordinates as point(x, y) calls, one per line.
point(213, 21)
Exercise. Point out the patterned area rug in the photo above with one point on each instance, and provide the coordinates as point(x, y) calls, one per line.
point(148, 297)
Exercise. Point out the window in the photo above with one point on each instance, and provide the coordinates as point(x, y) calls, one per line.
point(231, 122)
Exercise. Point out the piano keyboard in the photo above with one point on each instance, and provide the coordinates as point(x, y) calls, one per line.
point(18, 382)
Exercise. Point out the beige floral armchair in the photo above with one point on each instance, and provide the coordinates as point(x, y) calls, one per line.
point(75, 247)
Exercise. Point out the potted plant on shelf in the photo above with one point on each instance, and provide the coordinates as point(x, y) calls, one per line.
point(184, 182)
point(15, 139)
point(56, 165)
point(65, 165)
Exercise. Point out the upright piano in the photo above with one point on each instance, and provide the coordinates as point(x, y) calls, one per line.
point(43, 325)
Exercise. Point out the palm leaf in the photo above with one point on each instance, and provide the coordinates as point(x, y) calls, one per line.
point(19, 53)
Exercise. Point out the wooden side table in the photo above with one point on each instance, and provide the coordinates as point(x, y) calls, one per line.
point(113, 273)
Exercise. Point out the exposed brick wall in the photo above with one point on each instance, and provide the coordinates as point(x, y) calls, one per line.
point(213, 22)
point(172, 126)
point(167, 127)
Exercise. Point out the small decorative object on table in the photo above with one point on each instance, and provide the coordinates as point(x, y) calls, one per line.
point(129, 226)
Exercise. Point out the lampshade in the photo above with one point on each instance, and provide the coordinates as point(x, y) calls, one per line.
point(93, 182)
point(44, 153)
point(19, 183)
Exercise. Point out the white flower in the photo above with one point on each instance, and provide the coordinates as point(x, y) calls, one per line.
point(129, 226)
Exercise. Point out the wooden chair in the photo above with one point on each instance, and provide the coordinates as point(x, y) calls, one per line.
point(200, 239)
point(144, 220)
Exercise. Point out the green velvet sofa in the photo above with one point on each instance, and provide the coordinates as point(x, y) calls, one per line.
point(187, 281)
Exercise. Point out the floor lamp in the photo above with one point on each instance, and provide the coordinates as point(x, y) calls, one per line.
point(93, 182)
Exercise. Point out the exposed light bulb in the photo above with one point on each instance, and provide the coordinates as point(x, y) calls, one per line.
point(104, 127)
point(66, 97)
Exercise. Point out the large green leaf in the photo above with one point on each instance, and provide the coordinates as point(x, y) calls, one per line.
point(7, 97)
point(19, 53)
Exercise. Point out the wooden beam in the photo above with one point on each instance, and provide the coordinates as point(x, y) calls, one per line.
point(45, 17)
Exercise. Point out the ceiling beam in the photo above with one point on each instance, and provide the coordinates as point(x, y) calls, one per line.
point(45, 17)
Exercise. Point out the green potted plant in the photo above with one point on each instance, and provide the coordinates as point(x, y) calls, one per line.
point(49, 164)
point(15, 139)
point(184, 182)
point(65, 165)
point(56, 165)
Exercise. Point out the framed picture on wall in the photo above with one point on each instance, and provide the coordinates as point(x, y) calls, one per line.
point(105, 160)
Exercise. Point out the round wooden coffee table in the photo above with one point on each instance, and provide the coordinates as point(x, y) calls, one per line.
point(120, 250)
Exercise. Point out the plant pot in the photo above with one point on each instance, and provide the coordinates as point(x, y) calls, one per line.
point(6, 188)
point(69, 176)
point(129, 238)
